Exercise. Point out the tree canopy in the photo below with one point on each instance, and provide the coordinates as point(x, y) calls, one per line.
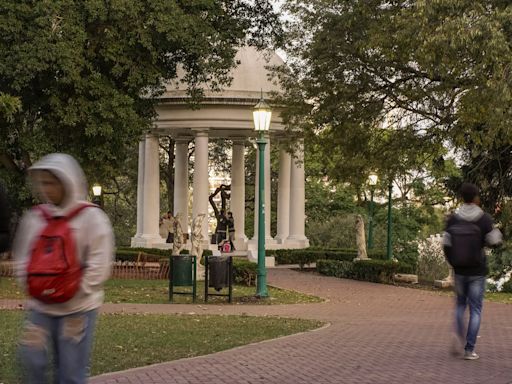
point(82, 77)
point(394, 86)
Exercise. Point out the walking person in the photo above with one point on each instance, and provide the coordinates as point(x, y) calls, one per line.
point(171, 223)
point(63, 305)
point(231, 229)
point(467, 232)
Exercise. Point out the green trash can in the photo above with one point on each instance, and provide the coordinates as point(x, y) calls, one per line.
point(182, 274)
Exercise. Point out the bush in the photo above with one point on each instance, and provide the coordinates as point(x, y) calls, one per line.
point(342, 269)
point(432, 264)
point(312, 254)
point(244, 272)
point(500, 261)
point(407, 253)
point(378, 271)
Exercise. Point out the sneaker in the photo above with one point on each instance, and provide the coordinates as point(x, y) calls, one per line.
point(470, 355)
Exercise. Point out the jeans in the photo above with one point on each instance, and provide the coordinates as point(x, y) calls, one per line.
point(470, 291)
point(69, 336)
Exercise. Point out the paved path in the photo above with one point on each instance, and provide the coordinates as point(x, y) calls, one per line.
point(377, 334)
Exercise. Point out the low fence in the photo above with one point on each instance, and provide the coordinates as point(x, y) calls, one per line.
point(144, 267)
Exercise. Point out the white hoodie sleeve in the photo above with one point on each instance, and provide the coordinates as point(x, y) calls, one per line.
point(31, 224)
point(98, 251)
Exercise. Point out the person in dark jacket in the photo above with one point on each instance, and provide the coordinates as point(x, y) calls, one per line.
point(5, 220)
point(470, 279)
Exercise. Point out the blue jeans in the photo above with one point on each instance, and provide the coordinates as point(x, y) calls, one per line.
point(69, 336)
point(470, 291)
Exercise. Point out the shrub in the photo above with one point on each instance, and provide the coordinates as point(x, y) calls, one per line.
point(312, 254)
point(378, 271)
point(432, 264)
point(342, 269)
point(244, 272)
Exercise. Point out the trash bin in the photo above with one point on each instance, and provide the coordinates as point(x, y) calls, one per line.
point(181, 268)
point(219, 275)
point(182, 273)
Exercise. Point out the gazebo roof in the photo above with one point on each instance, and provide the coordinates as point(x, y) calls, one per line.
point(227, 113)
point(250, 77)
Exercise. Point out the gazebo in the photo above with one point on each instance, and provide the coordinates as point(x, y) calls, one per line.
point(226, 115)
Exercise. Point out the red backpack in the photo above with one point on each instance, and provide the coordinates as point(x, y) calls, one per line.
point(54, 270)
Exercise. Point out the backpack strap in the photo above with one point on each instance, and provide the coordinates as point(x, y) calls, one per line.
point(41, 208)
point(79, 209)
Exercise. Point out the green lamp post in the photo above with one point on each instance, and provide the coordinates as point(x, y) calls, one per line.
point(389, 251)
point(372, 181)
point(261, 115)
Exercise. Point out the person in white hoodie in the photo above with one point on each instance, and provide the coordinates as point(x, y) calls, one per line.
point(68, 327)
point(469, 262)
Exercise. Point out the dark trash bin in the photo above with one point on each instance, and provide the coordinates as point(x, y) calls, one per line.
point(182, 273)
point(218, 275)
point(219, 272)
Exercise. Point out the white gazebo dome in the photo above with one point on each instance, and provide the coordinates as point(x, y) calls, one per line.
point(251, 76)
point(227, 113)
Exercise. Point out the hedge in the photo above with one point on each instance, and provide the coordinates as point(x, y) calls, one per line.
point(377, 271)
point(311, 255)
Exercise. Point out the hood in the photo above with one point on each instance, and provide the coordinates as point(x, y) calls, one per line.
point(68, 171)
point(469, 212)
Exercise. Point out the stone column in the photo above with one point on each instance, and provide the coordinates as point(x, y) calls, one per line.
point(283, 197)
point(268, 238)
point(238, 191)
point(181, 181)
point(200, 192)
point(151, 192)
point(297, 201)
point(140, 188)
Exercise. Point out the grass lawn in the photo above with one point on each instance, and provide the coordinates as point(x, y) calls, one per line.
point(157, 292)
point(127, 341)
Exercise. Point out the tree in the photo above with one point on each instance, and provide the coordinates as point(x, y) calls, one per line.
point(87, 74)
point(389, 85)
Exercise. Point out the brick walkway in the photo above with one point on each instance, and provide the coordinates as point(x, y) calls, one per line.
point(377, 334)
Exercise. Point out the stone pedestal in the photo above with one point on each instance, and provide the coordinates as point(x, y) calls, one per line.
point(406, 278)
point(447, 282)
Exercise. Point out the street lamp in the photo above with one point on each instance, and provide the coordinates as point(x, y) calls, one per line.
point(389, 251)
point(372, 181)
point(96, 193)
point(261, 116)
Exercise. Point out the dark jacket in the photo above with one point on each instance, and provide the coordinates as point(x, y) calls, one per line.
point(490, 236)
point(5, 220)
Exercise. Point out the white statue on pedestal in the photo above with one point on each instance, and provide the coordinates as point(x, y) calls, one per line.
point(360, 238)
point(177, 244)
point(197, 243)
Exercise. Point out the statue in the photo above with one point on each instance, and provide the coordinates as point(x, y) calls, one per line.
point(197, 236)
point(360, 238)
point(177, 244)
point(197, 243)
